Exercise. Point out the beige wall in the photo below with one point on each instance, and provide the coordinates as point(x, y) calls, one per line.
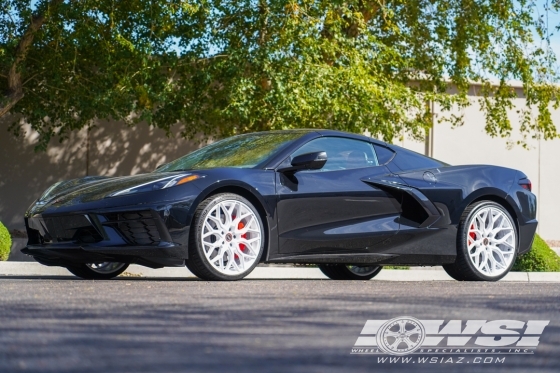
point(119, 150)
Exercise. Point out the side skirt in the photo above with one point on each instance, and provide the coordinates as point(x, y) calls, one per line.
point(379, 259)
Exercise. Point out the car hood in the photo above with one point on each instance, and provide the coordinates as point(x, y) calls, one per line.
point(90, 188)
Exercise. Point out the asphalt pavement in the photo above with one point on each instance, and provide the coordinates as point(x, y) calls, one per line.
point(132, 324)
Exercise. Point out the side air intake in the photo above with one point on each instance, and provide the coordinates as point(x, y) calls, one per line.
point(416, 207)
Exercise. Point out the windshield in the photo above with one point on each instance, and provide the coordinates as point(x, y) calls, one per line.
point(243, 151)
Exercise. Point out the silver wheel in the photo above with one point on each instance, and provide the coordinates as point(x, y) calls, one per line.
point(362, 271)
point(231, 237)
point(105, 267)
point(491, 241)
point(401, 336)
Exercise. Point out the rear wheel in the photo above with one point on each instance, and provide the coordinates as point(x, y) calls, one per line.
point(228, 238)
point(486, 243)
point(98, 271)
point(349, 271)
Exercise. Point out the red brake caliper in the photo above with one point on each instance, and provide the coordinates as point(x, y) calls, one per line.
point(472, 235)
point(244, 236)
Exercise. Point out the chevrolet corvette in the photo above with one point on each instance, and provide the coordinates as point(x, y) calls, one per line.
point(347, 203)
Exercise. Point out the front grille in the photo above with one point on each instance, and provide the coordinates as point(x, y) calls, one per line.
point(87, 235)
point(137, 228)
point(60, 229)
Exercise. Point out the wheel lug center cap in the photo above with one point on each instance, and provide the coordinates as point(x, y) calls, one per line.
point(229, 237)
point(485, 242)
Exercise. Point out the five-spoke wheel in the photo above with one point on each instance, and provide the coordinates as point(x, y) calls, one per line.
point(486, 243)
point(228, 238)
point(401, 336)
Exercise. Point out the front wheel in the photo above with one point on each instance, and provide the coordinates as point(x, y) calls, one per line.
point(98, 271)
point(228, 238)
point(349, 271)
point(486, 243)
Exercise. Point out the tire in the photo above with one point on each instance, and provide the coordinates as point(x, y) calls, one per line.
point(218, 248)
point(98, 271)
point(487, 243)
point(349, 272)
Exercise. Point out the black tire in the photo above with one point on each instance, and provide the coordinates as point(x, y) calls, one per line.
point(463, 269)
point(192, 268)
point(87, 273)
point(342, 272)
point(197, 262)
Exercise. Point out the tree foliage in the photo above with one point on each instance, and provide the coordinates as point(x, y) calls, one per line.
point(220, 67)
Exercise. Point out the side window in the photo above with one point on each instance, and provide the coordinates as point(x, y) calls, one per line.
point(384, 155)
point(342, 153)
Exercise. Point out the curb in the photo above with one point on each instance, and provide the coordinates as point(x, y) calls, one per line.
point(30, 269)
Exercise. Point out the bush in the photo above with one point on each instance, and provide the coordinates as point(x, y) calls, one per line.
point(5, 242)
point(541, 258)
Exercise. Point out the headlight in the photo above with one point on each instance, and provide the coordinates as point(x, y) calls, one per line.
point(164, 183)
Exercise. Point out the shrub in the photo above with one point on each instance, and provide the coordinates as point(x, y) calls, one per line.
point(541, 258)
point(5, 242)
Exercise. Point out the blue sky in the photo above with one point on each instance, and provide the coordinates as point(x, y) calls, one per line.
point(553, 22)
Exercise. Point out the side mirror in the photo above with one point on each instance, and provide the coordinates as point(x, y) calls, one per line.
point(308, 161)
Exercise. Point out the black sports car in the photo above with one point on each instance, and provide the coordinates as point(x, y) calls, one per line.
point(348, 203)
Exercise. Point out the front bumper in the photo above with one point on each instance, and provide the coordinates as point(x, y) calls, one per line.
point(152, 236)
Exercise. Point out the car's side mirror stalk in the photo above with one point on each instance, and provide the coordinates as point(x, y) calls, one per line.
point(308, 161)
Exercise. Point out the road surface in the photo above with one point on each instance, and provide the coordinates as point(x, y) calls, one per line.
point(61, 324)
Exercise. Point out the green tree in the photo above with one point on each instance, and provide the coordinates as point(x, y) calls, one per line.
point(221, 67)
